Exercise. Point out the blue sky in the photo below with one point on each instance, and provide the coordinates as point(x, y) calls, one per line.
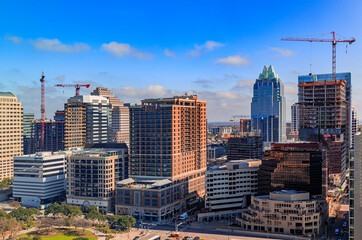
point(142, 49)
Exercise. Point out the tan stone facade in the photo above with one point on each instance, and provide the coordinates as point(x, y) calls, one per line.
point(286, 212)
point(11, 133)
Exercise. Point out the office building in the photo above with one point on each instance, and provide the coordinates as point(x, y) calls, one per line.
point(295, 119)
point(215, 151)
point(11, 133)
point(168, 151)
point(325, 109)
point(268, 111)
point(283, 212)
point(355, 194)
point(247, 147)
point(27, 121)
point(355, 126)
point(120, 116)
point(39, 179)
point(88, 120)
point(92, 174)
point(229, 188)
point(291, 166)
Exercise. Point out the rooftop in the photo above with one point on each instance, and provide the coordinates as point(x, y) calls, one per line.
point(7, 94)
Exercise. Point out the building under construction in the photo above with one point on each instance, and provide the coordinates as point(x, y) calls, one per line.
point(247, 147)
point(53, 135)
point(325, 115)
point(291, 166)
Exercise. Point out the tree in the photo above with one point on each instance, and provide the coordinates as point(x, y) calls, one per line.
point(70, 211)
point(53, 209)
point(4, 214)
point(93, 214)
point(3, 226)
point(14, 204)
point(13, 226)
point(24, 214)
point(82, 223)
point(6, 183)
point(126, 221)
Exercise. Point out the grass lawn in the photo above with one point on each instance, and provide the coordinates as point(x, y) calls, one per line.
point(61, 234)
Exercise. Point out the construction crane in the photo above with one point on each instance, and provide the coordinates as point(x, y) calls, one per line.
point(334, 42)
point(42, 110)
point(242, 119)
point(77, 87)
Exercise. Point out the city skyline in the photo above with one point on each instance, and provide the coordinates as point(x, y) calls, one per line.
point(213, 50)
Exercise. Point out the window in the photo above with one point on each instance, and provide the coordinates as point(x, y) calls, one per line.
point(154, 202)
point(127, 201)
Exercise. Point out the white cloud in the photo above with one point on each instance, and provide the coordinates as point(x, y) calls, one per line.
point(123, 50)
point(14, 39)
point(283, 52)
point(235, 60)
point(55, 45)
point(169, 53)
point(221, 105)
point(204, 48)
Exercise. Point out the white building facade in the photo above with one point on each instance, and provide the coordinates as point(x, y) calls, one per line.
point(39, 178)
point(229, 188)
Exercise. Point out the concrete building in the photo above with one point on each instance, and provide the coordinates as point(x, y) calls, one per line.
point(268, 111)
point(247, 147)
point(39, 178)
point(355, 126)
point(27, 121)
point(120, 116)
point(325, 109)
point(285, 212)
point(229, 187)
point(215, 151)
point(168, 144)
point(11, 133)
point(88, 120)
point(292, 166)
point(295, 119)
point(355, 194)
point(92, 174)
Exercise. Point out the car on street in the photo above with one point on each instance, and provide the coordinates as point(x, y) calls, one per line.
point(336, 231)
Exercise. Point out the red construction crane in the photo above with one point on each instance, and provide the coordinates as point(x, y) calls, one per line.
point(334, 42)
point(77, 87)
point(42, 110)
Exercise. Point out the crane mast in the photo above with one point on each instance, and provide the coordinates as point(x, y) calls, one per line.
point(42, 110)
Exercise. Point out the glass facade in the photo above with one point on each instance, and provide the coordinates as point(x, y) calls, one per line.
point(268, 107)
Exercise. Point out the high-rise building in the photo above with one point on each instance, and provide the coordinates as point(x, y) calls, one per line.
point(355, 126)
point(88, 120)
point(247, 147)
point(325, 109)
point(168, 140)
point(291, 166)
point(355, 194)
point(268, 111)
point(93, 173)
point(168, 154)
point(295, 118)
point(39, 178)
point(11, 133)
point(229, 187)
point(27, 122)
point(120, 116)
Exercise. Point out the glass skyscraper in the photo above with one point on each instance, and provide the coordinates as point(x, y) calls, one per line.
point(268, 107)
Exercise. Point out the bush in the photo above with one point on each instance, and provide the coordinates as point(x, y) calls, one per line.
point(36, 238)
point(26, 238)
point(81, 238)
